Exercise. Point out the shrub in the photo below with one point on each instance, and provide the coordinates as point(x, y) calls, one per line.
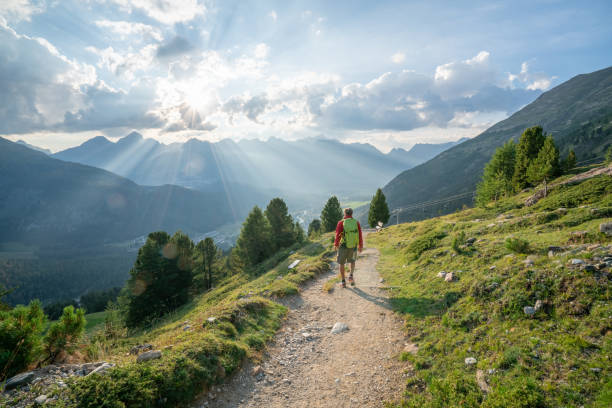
point(20, 344)
point(425, 242)
point(521, 392)
point(458, 241)
point(64, 335)
point(517, 245)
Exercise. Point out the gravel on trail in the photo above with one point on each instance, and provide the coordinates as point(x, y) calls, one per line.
point(308, 366)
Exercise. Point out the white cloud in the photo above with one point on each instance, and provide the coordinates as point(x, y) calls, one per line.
point(273, 15)
point(464, 78)
point(128, 28)
point(398, 57)
point(165, 11)
point(125, 64)
point(18, 10)
point(532, 80)
point(261, 51)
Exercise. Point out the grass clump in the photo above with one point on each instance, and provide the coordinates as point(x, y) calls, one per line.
point(424, 243)
point(517, 245)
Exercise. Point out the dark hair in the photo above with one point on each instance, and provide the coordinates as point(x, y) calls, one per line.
point(348, 211)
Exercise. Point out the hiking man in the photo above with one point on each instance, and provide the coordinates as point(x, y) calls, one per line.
point(348, 241)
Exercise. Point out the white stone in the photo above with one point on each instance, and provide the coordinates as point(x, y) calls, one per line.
point(441, 274)
point(528, 310)
point(40, 399)
point(294, 264)
point(339, 327)
point(149, 355)
point(470, 361)
point(211, 319)
point(576, 261)
point(538, 305)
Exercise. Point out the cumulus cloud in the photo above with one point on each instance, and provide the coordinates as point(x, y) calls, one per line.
point(165, 11)
point(41, 89)
point(126, 29)
point(261, 51)
point(251, 107)
point(398, 57)
point(18, 10)
point(532, 80)
point(125, 64)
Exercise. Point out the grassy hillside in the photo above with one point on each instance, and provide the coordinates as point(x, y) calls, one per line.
point(559, 356)
point(202, 343)
point(577, 113)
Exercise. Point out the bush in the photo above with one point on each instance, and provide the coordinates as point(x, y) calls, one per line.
point(517, 245)
point(425, 242)
point(20, 344)
point(520, 392)
point(458, 241)
point(64, 335)
point(54, 310)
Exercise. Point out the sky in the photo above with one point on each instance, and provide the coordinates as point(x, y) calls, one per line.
point(389, 73)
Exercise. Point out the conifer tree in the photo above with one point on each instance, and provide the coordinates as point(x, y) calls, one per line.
point(298, 232)
point(546, 165)
point(206, 255)
point(314, 228)
point(379, 210)
point(331, 214)
point(255, 241)
point(161, 277)
point(527, 150)
point(570, 162)
point(281, 224)
point(497, 175)
point(609, 155)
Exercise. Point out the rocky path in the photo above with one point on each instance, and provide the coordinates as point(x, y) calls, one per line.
point(308, 366)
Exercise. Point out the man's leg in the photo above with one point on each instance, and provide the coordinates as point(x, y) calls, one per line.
point(342, 274)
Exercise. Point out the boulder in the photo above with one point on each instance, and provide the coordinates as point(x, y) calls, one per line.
point(149, 355)
point(529, 310)
point(449, 277)
point(606, 228)
point(538, 305)
point(19, 380)
point(41, 399)
point(576, 262)
point(102, 369)
point(339, 327)
point(470, 361)
point(441, 274)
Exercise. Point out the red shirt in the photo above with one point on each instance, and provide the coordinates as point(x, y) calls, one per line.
point(340, 229)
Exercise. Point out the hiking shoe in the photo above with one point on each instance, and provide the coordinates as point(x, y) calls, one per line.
point(351, 280)
point(343, 283)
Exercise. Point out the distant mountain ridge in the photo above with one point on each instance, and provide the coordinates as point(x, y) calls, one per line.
point(48, 202)
point(38, 149)
point(578, 114)
point(252, 168)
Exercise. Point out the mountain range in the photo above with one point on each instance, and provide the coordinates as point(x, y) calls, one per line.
point(251, 171)
point(577, 113)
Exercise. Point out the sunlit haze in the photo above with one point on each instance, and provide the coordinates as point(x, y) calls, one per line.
point(388, 73)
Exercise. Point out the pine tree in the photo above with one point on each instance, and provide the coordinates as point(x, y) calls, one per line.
point(314, 228)
point(546, 165)
point(210, 255)
point(255, 241)
point(527, 150)
point(497, 175)
point(609, 155)
point(379, 210)
point(570, 162)
point(331, 214)
point(281, 224)
point(205, 257)
point(161, 277)
point(298, 232)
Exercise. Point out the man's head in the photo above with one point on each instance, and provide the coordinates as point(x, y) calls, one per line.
point(348, 212)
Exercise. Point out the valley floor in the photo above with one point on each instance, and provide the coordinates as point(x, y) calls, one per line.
point(308, 366)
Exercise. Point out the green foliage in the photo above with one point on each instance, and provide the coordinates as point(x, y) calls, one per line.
point(97, 300)
point(458, 240)
point(161, 277)
point(20, 343)
point(56, 309)
point(331, 214)
point(609, 155)
point(65, 334)
point(497, 175)
point(379, 210)
point(314, 228)
point(425, 242)
point(527, 151)
point(546, 165)
point(255, 241)
point(520, 392)
point(298, 233)
point(517, 245)
point(281, 224)
point(570, 162)
point(205, 256)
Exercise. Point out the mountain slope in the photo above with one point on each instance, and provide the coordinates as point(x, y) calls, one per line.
point(38, 149)
point(47, 201)
point(577, 113)
point(249, 169)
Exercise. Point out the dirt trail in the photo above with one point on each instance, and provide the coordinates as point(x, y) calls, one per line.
point(307, 366)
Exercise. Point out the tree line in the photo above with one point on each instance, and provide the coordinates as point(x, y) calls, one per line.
point(515, 166)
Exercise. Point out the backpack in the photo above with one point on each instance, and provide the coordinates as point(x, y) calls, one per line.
point(350, 233)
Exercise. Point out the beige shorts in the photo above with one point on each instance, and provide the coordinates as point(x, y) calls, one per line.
point(346, 255)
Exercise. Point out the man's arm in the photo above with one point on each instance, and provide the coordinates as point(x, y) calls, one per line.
point(360, 237)
point(339, 229)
